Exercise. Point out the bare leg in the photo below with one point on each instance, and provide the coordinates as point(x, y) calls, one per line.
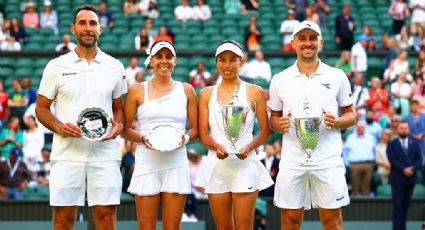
point(244, 209)
point(147, 211)
point(291, 219)
point(331, 219)
point(221, 208)
point(172, 210)
point(105, 217)
point(64, 217)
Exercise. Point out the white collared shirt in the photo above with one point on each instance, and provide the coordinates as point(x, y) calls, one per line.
point(360, 52)
point(74, 85)
point(327, 89)
point(259, 70)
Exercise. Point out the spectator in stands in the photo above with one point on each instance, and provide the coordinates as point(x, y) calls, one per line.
point(4, 32)
point(196, 162)
point(131, 70)
point(10, 44)
point(131, 7)
point(259, 68)
point(127, 163)
point(359, 56)
point(401, 92)
point(11, 137)
point(395, 120)
point(17, 31)
point(277, 148)
point(418, 15)
point(399, 11)
point(420, 96)
point(373, 127)
point(322, 9)
point(183, 11)
point(140, 77)
point(33, 143)
point(149, 73)
point(311, 15)
point(105, 16)
point(49, 17)
point(361, 157)
point(32, 93)
point(41, 170)
point(18, 101)
point(149, 27)
point(199, 77)
point(286, 29)
point(416, 122)
point(405, 41)
point(299, 7)
point(381, 158)
point(420, 65)
point(23, 6)
point(143, 40)
point(344, 29)
point(232, 7)
point(4, 97)
point(149, 9)
point(66, 45)
point(392, 52)
point(378, 98)
point(360, 96)
point(271, 162)
point(397, 66)
point(385, 39)
point(252, 35)
point(405, 158)
point(30, 18)
point(243, 70)
point(371, 44)
point(250, 6)
point(14, 175)
point(201, 11)
point(344, 63)
point(30, 112)
point(163, 35)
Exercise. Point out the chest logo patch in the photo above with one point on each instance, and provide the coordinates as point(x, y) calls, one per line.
point(69, 74)
point(327, 85)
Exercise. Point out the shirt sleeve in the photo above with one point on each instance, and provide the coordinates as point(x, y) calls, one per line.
point(345, 97)
point(48, 83)
point(121, 84)
point(275, 103)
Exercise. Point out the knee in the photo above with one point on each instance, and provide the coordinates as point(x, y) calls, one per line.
point(291, 223)
point(170, 226)
point(332, 224)
point(64, 221)
point(147, 226)
point(105, 217)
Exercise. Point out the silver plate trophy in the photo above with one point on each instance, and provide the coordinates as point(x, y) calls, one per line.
point(164, 138)
point(94, 123)
point(307, 130)
point(234, 118)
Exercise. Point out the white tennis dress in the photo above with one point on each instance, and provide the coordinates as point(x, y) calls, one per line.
point(231, 174)
point(157, 171)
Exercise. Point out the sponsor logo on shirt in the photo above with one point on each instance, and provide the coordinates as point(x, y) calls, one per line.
point(340, 198)
point(69, 74)
point(327, 85)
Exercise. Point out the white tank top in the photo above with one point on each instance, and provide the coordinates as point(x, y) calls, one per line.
point(215, 121)
point(170, 109)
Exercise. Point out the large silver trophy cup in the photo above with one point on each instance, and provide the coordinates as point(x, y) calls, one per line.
point(234, 117)
point(307, 131)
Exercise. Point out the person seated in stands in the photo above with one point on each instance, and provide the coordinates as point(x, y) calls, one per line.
point(14, 176)
point(127, 163)
point(10, 44)
point(11, 137)
point(49, 17)
point(149, 9)
point(232, 7)
point(259, 68)
point(131, 7)
point(33, 143)
point(250, 6)
point(17, 31)
point(381, 157)
point(66, 45)
point(286, 28)
point(252, 35)
point(143, 40)
point(201, 11)
point(344, 63)
point(18, 101)
point(30, 18)
point(163, 35)
point(132, 69)
point(41, 170)
point(199, 77)
point(105, 17)
point(139, 78)
point(184, 11)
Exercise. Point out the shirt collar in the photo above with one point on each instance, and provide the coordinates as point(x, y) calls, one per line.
point(320, 69)
point(97, 58)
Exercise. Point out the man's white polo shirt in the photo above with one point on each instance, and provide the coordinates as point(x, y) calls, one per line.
point(327, 89)
point(75, 85)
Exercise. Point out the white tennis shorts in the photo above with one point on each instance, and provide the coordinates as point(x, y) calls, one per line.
point(325, 188)
point(176, 180)
point(69, 179)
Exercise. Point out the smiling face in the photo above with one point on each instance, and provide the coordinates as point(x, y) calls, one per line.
point(163, 62)
point(228, 64)
point(86, 28)
point(307, 44)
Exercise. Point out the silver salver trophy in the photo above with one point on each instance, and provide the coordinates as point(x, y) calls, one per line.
point(94, 123)
point(234, 118)
point(307, 131)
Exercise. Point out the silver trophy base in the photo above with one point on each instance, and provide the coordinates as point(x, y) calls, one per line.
point(308, 163)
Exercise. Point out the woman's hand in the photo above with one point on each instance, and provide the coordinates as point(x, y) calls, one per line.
point(221, 152)
point(147, 144)
point(243, 153)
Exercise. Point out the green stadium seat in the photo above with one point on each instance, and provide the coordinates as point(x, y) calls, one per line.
point(384, 190)
point(197, 148)
point(46, 31)
point(49, 46)
point(375, 67)
point(106, 46)
point(276, 62)
point(33, 46)
point(419, 191)
point(38, 73)
point(211, 30)
point(6, 72)
point(37, 38)
point(194, 60)
point(24, 62)
point(201, 46)
point(182, 46)
point(24, 71)
point(119, 30)
point(126, 196)
point(30, 31)
point(109, 38)
point(7, 62)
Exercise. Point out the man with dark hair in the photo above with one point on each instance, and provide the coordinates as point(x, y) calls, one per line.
point(82, 82)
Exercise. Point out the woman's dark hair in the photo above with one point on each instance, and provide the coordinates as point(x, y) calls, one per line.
point(86, 7)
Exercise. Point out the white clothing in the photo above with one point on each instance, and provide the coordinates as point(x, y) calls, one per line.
point(325, 188)
point(75, 85)
point(176, 180)
point(363, 93)
point(381, 157)
point(358, 51)
point(67, 183)
point(71, 46)
point(183, 12)
point(259, 70)
point(201, 13)
point(33, 143)
point(137, 43)
point(418, 15)
point(10, 46)
point(231, 174)
point(398, 68)
point(287, 27)
point(170, 109)
point(130, 73)
point(31, 112)
point(327, 89)
point(404, 90)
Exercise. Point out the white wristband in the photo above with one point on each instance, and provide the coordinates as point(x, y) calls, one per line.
point(186, 139)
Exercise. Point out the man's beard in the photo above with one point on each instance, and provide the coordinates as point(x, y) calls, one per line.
point(87, 44)
point(402, 136)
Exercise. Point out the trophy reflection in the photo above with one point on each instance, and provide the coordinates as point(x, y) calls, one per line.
point(234, 118)
point(307, 131)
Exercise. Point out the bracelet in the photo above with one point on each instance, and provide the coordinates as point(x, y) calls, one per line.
point(186, 139)
point(142, 139)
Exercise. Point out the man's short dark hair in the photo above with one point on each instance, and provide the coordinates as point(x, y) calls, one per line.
point(86, 7)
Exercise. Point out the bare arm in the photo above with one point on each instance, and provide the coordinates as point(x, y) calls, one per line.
point(45, 116)
point(280, 123)
point(132, 101)
point(346, 120)
point(192, 111)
